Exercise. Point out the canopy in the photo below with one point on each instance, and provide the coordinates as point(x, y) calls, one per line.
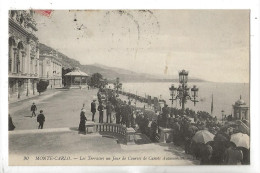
point(76, 72)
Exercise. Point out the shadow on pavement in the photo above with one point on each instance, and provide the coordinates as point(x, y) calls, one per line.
point(178, 151)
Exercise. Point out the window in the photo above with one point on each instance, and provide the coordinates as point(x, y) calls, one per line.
point(10, 59)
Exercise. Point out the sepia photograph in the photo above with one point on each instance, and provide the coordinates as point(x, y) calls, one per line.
point(140, 87)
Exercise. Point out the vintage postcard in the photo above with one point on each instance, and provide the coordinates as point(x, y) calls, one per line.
point(128, 87)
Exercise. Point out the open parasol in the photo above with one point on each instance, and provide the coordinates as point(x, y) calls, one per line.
point(240, 139)
point(203, 136)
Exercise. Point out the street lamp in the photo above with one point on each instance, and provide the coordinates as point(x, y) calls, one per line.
point(117, 85)
point(183, 91)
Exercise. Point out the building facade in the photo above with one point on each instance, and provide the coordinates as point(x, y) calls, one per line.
point(23, 67)
point(50, 68)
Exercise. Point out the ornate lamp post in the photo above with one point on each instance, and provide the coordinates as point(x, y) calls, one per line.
point(117, 85)
point(182, 93)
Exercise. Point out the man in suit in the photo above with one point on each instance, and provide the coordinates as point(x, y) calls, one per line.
point(109, 109)
point(123, 113)
point(118, 113)
point(33, 109)
point(101, 111)
point(128, 114)
point(165, 113)
point(93, 109)
point(40, 119)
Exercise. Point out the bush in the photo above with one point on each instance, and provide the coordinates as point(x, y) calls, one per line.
point(42, 86)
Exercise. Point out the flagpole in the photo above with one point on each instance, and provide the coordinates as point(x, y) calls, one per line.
point(212, 106)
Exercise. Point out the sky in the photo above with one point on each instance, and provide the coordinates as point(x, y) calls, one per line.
point(211, 44)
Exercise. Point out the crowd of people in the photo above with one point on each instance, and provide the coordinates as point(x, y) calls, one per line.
point(185, 124)
point(125, 113)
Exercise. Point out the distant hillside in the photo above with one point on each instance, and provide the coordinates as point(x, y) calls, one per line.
point(112, 72)
point(66, 61)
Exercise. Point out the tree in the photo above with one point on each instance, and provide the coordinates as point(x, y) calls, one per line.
point(65, 71)
point(96, 80)
point(104, 83)
point(42, 86)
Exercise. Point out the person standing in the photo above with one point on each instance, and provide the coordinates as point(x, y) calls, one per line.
point(153, 130)
point(99, 96)
point(176, 132)
point(11, 125)
point(133, 118)
point(146, 123)
point(33, 110)
point(233, 155)
point(129, 113)
point(118, 113)
point(101, 111)
point(165, 113)
point(83, 119)
point(109, 108)
point(206, 154)
point(41, 119)
point(93, 109)
point(123, 114)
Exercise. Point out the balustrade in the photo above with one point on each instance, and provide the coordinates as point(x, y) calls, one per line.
point(109, 127)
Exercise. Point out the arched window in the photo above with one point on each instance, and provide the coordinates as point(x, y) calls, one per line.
point(19, 57)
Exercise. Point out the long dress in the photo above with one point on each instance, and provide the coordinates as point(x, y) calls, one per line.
point(83, 119)
point(11, 125)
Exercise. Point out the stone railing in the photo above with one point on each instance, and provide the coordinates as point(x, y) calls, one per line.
point(127, 133)
point(109, 127)
point(243, 127)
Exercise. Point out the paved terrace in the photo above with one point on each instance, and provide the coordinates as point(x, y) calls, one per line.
point(60, 136)
point(67, 142)
point(61, 109)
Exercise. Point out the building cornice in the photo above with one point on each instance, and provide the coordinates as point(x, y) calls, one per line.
point(21, 29)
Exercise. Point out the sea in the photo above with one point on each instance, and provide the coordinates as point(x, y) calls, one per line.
point(224, 95)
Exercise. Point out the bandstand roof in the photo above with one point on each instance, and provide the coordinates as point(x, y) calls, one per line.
point(76, 72)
